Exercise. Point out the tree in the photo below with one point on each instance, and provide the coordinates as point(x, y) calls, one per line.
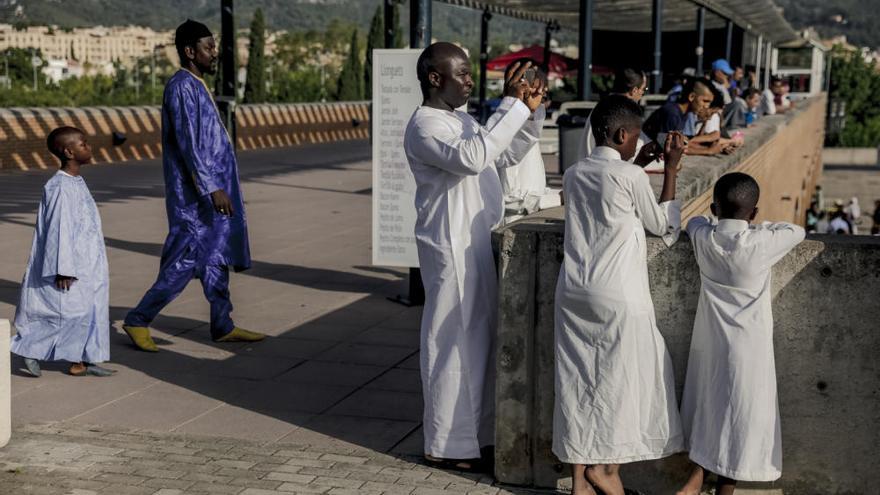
point(376, 39)
point(856, 83)
point(351, 82)
point(399, 41)
point(255, 85)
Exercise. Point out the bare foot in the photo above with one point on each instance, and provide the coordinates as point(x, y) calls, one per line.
point(694, 483)
point(606, 477)
point(580, 485)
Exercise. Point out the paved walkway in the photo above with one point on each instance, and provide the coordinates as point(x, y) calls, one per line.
point(339, 375)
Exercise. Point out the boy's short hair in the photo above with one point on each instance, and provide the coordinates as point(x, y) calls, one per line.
point(627, 79)
point(736, 194)
point(614, 112)
point(701, 86)
point(58, 139)
point(750, 93)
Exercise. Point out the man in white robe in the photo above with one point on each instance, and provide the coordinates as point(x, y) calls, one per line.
point(729, 409)
point(524, 184)
point(615, 389)
point(458, 203)
point(63, 312)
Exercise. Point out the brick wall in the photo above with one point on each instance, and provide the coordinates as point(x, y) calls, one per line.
point(23, 131)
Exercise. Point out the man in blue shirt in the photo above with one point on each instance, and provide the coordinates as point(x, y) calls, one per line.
point(695, 96)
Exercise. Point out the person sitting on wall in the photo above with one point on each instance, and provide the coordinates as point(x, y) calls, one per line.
point(696, 98)
point(744, 110)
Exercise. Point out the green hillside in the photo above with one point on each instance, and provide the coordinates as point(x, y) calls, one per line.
point(860, 22)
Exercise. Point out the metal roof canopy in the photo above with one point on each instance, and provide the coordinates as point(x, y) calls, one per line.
point(761, 17)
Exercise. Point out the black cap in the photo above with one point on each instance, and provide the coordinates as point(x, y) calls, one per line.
point(190, 32)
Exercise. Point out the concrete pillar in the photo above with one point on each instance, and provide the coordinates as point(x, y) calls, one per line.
point(484, 60)
point(5, 385)
point(768, 59)
point(758, 47)
point(551, 27)
point(657, 30)
point(701, 37)
point(419, 23)
point(585, 50)
point(228, 78)
point(728, 40)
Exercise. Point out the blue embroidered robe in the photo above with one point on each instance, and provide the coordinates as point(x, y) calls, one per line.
point(53, 324)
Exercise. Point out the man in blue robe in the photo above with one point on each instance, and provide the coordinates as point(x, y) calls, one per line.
point(207, 227)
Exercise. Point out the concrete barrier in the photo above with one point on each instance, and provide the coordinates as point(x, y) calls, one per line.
point(851, 156)
point(23, 131)
point(826, 340)
point(5, 384)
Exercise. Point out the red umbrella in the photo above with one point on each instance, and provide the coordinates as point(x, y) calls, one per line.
point(560, 65)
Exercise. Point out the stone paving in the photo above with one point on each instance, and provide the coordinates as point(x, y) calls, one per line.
point(337, 377)
point(82, 460)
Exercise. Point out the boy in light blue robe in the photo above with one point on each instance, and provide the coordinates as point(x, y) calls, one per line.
point(63, 313)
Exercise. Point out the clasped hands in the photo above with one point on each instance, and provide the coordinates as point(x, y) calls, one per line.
point(517, 86)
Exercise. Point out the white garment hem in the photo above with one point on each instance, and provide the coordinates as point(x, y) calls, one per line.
point(733, 474)
point(622, 460)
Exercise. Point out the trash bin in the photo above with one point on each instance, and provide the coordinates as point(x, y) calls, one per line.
point(571, 131)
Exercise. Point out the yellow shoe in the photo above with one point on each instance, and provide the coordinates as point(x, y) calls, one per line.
point(140, 337)
point(241, 335)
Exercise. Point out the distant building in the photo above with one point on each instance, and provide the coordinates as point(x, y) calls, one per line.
point(94, 46)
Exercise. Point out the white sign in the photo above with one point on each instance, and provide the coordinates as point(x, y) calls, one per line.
point(396, 95)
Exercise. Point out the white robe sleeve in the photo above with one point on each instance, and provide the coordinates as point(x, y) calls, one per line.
point(438, 145)
point(662, 220)
point(59, 257)
point(527, 137)
point(780, 238)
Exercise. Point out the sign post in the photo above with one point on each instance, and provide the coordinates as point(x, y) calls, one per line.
point(396, 95)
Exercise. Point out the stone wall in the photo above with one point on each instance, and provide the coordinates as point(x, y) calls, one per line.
point(23, 131)
point(826, 340)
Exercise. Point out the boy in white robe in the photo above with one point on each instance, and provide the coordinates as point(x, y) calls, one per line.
point(458, 203)
point(729, 409)
point(633, 84)
point(615, 390)
point(525, 183)
point(63, 313)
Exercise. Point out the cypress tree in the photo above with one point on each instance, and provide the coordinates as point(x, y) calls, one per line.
point(376, 39)
point(351, 81)
point(255, 85)
point(399, 41)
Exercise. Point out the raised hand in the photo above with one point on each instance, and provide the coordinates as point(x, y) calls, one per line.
point(515, 84)
point(673, 151)
point(535, 97)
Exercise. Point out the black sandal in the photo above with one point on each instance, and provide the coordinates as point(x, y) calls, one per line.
point(463, 465)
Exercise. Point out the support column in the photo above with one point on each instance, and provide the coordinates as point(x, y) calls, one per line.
point(419, 37)
point(768, 57)
point(728, 40)
point(758, 47)
point(419, 23)
point(585, 50)
point(551, 27)
point(228, 79)
point(484, 60)
point(389, 23)
point(657, 30)
point(701, 38)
